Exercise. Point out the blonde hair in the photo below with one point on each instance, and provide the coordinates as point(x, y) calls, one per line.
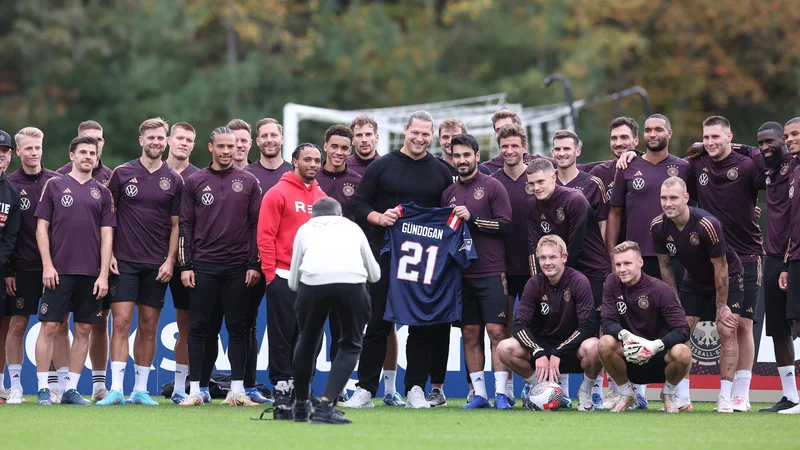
point(627, 245)
point(553, 240)
point(266, 121)
point(675, 181)
point(452, 124)
point(151, 124)
point(182, 126)
point(362, 120)
point(239, 124)
point(27, 131)
point(89, 125)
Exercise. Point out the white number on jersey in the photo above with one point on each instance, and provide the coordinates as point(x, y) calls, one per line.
point(413, 259)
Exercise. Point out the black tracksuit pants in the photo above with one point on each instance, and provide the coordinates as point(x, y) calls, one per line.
point(281, 329)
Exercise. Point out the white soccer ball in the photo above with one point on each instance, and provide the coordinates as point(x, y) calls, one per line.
point(546, 396)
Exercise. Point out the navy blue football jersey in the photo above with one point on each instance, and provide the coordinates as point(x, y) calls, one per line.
point(429, 248)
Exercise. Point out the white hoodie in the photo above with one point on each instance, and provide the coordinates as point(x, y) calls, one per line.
point(331, 249)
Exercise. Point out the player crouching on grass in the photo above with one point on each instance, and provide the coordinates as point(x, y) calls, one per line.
point(554, 325)
point(653, 350)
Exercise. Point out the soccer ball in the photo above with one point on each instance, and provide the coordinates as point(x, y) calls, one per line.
point(545, 397)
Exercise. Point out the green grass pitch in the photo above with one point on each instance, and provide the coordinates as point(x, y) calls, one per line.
point(215, 426)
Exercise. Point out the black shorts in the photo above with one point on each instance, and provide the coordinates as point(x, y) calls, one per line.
point(29, 291)
point(793, 292)
point(569, 363)
point(180, 293)
point(137, 283)
point(73, 293)
point(702, 302)
point(775, 299)
point(515, 284)
point(650, 372)
point(483, 300)
point(752, 287)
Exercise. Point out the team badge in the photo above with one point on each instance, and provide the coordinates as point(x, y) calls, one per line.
point(24, 203)
point(643, 302)
point(237, 186)
point(207, 198)
point(560, 214)
point(784, 170)
point(672, 171)
point(467, 245)
point(164, 184)
point(694, 238)
point(66, 200)
point(672, 249)
point(43, 309)
point(733, 174)
point(567, 295)
point(703, 179)
point(96, 193)
point(348, 190)
point(478, 194)
point(545, 309)
point(131, 190)
point(638, 183)
point(622, 308)
point(528, 188)
point(545, 227)
point(20, 302)
point(705, 344)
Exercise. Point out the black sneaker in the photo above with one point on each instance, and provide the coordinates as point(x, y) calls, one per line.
point(314, 400)
point(782, 404)
point(283, 398)
point(301, 411)
point(325, 413)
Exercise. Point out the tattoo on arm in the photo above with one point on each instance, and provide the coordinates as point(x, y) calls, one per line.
point(667, 274)
point(721, 280)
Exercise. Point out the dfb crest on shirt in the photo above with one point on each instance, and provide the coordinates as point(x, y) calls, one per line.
point(237, 186)
point(207, 198)
point(638, 183)
point(95, 193)
point(672, 249)
point(131, 190)
point(705, 344)
point(24, 203)
point(529, 188)
point(545, 309)
point(643, 302)
point(784, 169)
point(694, 238)
point(478, 194)
point(467, 245)
point(546, 227)
point(703, 180)
point(733, 173)
point(66, 200)
point(348, 190)
point(567, 295)
point(560, 214)
point(164, 184)
point(672, 171)
point(622, 308)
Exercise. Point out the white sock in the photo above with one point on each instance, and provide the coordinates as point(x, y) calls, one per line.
point(563, 381)
point(237, 386)
point(683, 389)
point(741, 383)
point(52, 380)
point(597, 386)
point(612, 385)
point(15, 371)
point(531, 380)
point(588, 383)
point(640, 389)
point(194, 387)
point(788, 383)
point(181, 371)
point(2, 380)
point(389, 381)
point(41, 378)
point(669, 388)
point(72, 380)
point(291, 384)
point(142, 374)
point(98, 380)
point(725, 388)
point(63, 372)
point(500, 382)
point(626, 390)
point(478, 383)
point(118, 376)
point(510, 385)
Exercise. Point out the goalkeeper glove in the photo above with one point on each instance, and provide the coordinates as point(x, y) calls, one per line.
point(625, 335)
point(641, 351)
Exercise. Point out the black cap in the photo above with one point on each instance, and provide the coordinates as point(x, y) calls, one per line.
point(5, 140)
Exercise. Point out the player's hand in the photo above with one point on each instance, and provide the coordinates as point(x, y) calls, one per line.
point(783, 280)
point(388, 218)
point(50, 277)
point(696, 150)
point(251, 278)
point(165, 272)
point(553, 369)
point(187, 278)
point(100, 287)
point(626, 335)
point(640, 352)
point(625, 158)
point(114, 267)
point(758, 212)
point(726, 317)
point(11, 286)
point(461, 212)
point(542, 368)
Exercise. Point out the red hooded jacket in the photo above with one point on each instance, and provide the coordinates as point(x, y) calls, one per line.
point(284, 208)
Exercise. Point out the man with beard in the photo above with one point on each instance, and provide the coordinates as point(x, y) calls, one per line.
point(244, 140)
point(284, 209)
point(499, 120)
point(147, 195)
point(447, 130)
point(483, 203)
point(365, 142)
